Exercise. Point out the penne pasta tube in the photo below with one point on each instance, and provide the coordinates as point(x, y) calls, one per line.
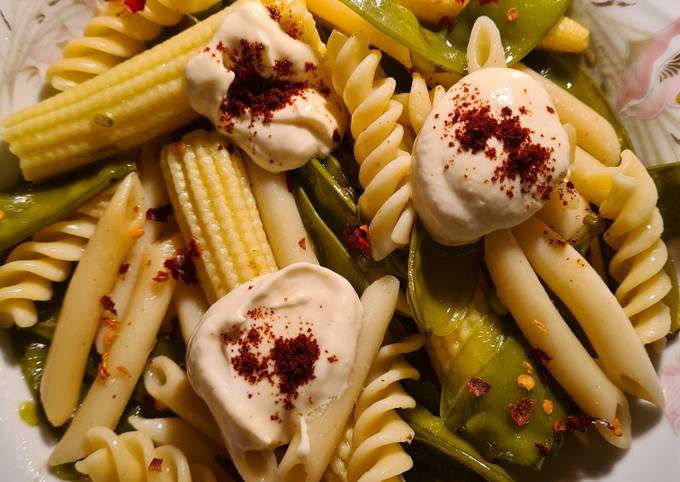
point(114, 236)
point(577, 284)
point(280, 216)
point(190, 306)
point(326, 428)
point(120, 370)
point(484, 48)
point(545, 329)
point(593, 132)
point(154, 196)
point(168, 383)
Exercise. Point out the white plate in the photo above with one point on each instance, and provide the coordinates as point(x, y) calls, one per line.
point(631, 59)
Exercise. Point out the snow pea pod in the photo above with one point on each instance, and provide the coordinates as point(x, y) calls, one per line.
point(449, 295)
point(430, 429)
point(27, 208)
point(447, 48)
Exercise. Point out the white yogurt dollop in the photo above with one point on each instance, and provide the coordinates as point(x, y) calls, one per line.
point(306, 121)
point(487, 156)
point(274, 350)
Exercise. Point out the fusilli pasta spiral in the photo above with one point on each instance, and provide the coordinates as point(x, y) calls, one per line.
point(379, 145)
point(132, 457)
point(32, 266)
point(627, 195)
point(115, 35)
point(371, 450)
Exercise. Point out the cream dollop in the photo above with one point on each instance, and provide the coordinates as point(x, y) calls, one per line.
point(252, 341)
point(308, 121)
point(487, 156)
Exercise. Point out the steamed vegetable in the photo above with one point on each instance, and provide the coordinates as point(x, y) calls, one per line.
point(28, 208)
point(216, 211)
point(447, 48)
point(484, 367)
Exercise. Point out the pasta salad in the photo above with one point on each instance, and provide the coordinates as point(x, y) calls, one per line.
point(331, 240)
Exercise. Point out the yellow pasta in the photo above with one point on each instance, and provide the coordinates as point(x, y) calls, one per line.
point(82, 307)
point(627, 195)
point(621, 355)
point(114, 35)
point(132, 457)
point(32, 267)
point(372, 450)
point(484, 49)
point(121, 367)
point(169, 384)
point(378, 135)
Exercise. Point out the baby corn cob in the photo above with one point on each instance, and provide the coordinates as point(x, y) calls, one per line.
point(567, 35)
point(133, 102)
point(213, 204)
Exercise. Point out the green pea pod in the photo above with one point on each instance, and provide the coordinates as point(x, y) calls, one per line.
point(439, 306)
point(332, 253)
point(430, 429)
point(565, 71)
point(329, 191)
point(667, 180)
point(447, 48)
point(28, 208)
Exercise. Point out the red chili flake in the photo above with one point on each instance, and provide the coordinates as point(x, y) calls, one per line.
point(540, 356)
point(124, 371)
point(155, 465)
point(134, 6)
point(108, 304)
point(486, 2)
point(161, 277)
point(332, 359)
point(302, 243)
point(274, 13)
point(560, 426)
point(250, 92)
point(478, 387)
point(294, 362)
point(357, 238)
point(123, 268)
point(195, 249)
point(549, 109)
point(543, 449)
point(182, 267)
point(159, 214)
point(283, 67)
point(103, 371)
point(520, 411)
point(112, 323)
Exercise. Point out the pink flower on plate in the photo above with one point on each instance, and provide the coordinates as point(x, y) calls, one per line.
point(670, 382)
point(647, 86)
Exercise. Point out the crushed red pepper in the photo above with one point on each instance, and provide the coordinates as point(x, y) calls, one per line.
point(520, 411)
point(108, 304)
point(288, 365)
point(159, 214)
point(161, 277)
point(356, 237)
point(155, 465)
point(478, 387)
point(524, 159)
point(123, 268)
point(182, 267)
point(543, 449)
point(134, 6)
point(252, 93)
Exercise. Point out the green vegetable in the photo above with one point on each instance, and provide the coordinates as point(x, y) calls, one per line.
point(449, 296)
point(429, 465)
point(332, 253)
point(447, 48)
point(437, 306)
point(28, 208)
point(667, 180)
point(564, 70)
point(431, 430)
